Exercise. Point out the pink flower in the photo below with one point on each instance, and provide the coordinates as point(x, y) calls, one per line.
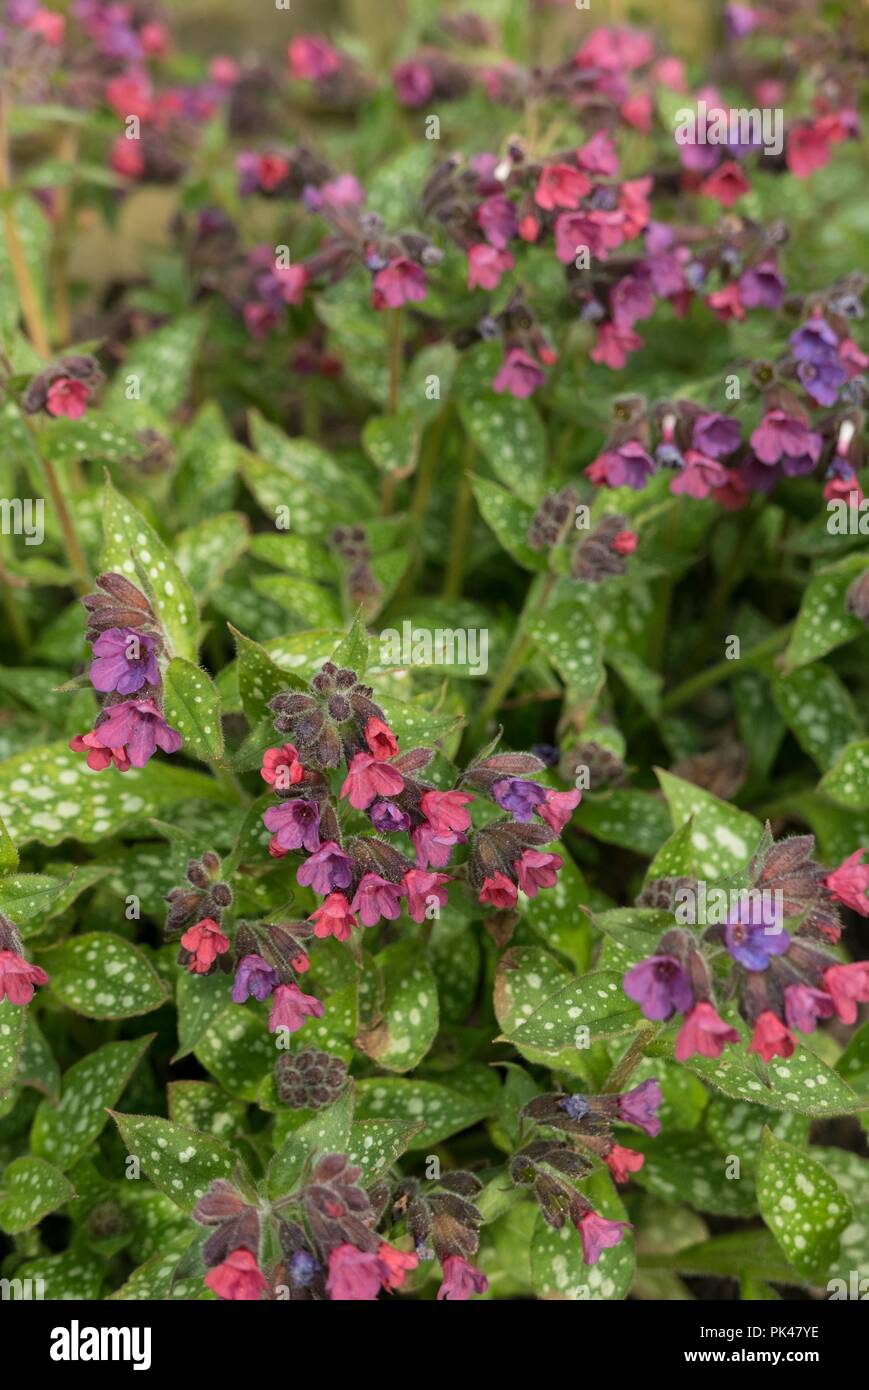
point(558, 808)
point(445, 811)
point(18, 978)
point(131, 94)
point(380, 739)
point(281, 766)
point(613, 344)
point(398, 1262)
point(848, 986)
point(126, 158)
point(622, 1162)
point(598, 1234)
point(498, 890)
point(205, 942)
point(625, 543)
point(631, 299)
point(486, 265)
point(356, 1275)
point(376, 897)
point(413, 82)
point(519, 375)
point(327, 868)
point(50, 27)
point(808, 149)
point(537, 870)
point(419, 886)
point(312, 58)
point(460, 1280)
point(561, 186)
point(727, 185)
point(771, 1038)
point(849, 882)
point(67, 397)
point(238, 1277)
point(290, 1008)
point(367, 778)
point(637, 111)
point(595, 231)
point(271, 170)
point(334, 918)
point(699, 476)
point(136, 729)
point(401, 282)
point(727, 303)
point(98, 757)
point(496, 217)
point(614, 49)
point(598, 155)
point(852, 359)
point(634, 208)
point(781, 436)
point(804, 1006)
point(703, 1034)
point(293, 281)
point(434, 848)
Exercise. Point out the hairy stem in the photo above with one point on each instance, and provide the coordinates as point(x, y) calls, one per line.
point(628, 1063)
point(394, 360)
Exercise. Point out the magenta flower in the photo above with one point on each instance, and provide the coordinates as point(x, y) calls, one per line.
point(598, 1234)
point(376, 897)
point(496, 218)
point(486, 265)
point(537, 870)
point(434, 848)
point(703, 1033)
point(125, 661)
point(401, 282)
point(627, 466)
point(762, 287)
point(419, 887)
point(445, 811)
point(312, 58)
point(327, 868)
point(641, 1105)
point(660, 986)
point(296, 824)
point(558, 808)
point(18, 978)
point(613, 345)
point(716, 435)
point(388, 818)
point(334, 918)
point(804, 1006)
point(519, 375)
point(781, 436)
point(368, 777)
point(254, 979)
point(849, 882)
point(631, 299)
point(460, 1280)
point(138, 729)
point(699, 477)
point(355, 1276)
point(290, 1008)
point(413, 83)
point(598, 155)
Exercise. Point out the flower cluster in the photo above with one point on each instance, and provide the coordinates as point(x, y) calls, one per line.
point(780, 977)
point(127, 642)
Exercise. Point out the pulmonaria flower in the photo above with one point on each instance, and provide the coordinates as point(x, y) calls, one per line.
point(660, 986)
point(762, 287)
point(445, 811)
point(205, 942)
point(640, 1107)
point(716, 435)
point(499, 891)
point(537, 870)
point(368, 777)
point(290, 1008)
point(334, 918)
point(460, 1280)
point(67, 397)
point(98, 757)
point(413, 82)
point(849, 882)
point(135, 729)
point(295, 824)
point(125, 660)
point(292, 281)
point(561, 186)
point(344, 192)
point(356, 1275)
point(281, 767)
point(622, 1162)
point(814, 340)
point(631, 299)
point(598, 1234)
point(558, 808)
point(519, 375)
point(18, 978)
point(727, 303)
point(126, 158)
point(613, 345)
point(420, 886)
point(781, 436)
point(624, 542)
point(327, 868)
point(598, 155)
point(380, 739)
point(771, 1038)
point(496, 218)
point(848, 986)
point(627, 466)
point(388, 818)
point(699, 477)
point(804, 1006)
point(703, 1033)
point(401, 282)
point(486, 265)
point(726, 185)
point(254, 979)
point(376, 897)
point(398, 1262)
point(238, 1278)
point(752, 935)
point(312, 58)
point(434, 848)
point(808, 149)
point(519, 797)
point(822, 379)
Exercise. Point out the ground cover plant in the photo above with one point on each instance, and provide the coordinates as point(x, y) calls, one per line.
point(434, 778)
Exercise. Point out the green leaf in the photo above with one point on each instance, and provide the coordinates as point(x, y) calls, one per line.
point(510, 434)
point(200, 1000)
point(847, 781)
point(36, 1065)
point(8, 852)
point(558, 1270)
point(543, 1011)
point(392, 442)
point(635, 820)
point(72, 1275)
point(440, 1110)
point(300, 475)
point(12, 1017)
point(206, 551)
point(103, 976)
point(133, 548)
point(850, 1172)
point(818, 709)
point(259, 679)
point(237, 1049)
point(375, 1145)
point(801, 1204)
point(201, 1105)
point(182, 1162)
point(404, 1022)
point(352, 650)
point(509, 517)
point(801, 1083)
point(689, 1168)
point(192, 706)
point(823, 623)
point(566, 634)
point(723, 838)
point(30, 1189)
point(162, 364)
point(63, 1132)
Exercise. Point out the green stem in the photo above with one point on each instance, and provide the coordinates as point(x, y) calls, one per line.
point(15, 617)
point(394, 339)
point(630, 1060)
point(724, 669)
point(538, 597)
point(461, 526)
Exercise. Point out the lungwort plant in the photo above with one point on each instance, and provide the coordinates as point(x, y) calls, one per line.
point(434, 775)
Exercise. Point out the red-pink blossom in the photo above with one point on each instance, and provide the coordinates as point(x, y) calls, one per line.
point(848, 986)
point(238, 1277)
point(460, 1280)
point(334, 918)
point(419, 887)
point(519, 375)
point(312, 58)
point(622, 1162)
point(561, 186)
point(445, 811)
point(281, 766)
point(205, 942)
point(726, 185)
point(380, 739)
point(771, 1038)
point(703, 1033)
point(848, 883)
point(499, 891)
point(18, 978)
point(486, 265)
point(401, 282)
point(290, 1008)
point(367, 778)
point(537, 870)
point(67, 397)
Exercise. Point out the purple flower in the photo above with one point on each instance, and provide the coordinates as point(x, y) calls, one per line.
point(754, 933)
point(740, 20)
point(388, 818)
point(762, 287)
point(716, 435)
point(247, 168)
point(376, 897)
point(254, 979)
point(519, 374)
point(779, 435)
point(413, 83)
point(576, 1107)
point(328, 868)
point(519, 797)
point(660, 986)
point(631, 299)
point(627, 466)
point(640, 1107)
point(496, 218)
point(137, 727)
point(296, 824)
point(303, 1269)
point(814, 341)
point(125, 661)
point(822, 378)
